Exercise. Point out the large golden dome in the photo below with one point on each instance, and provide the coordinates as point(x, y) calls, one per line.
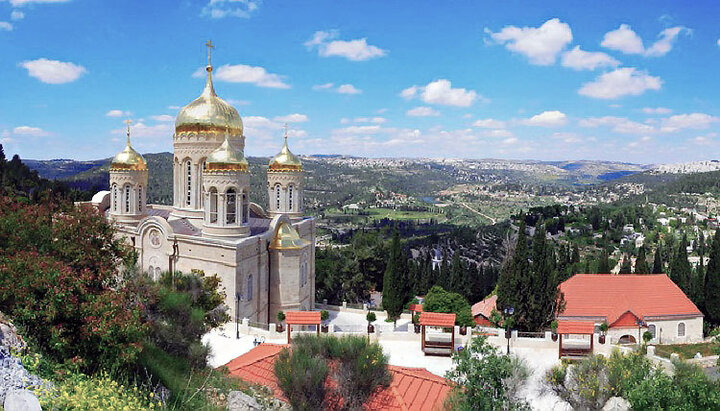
point(128, 159)
point(285, 160)
point(209, 113)
point(226, 158)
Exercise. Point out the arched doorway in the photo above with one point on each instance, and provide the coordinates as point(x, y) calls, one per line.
point(627, 339)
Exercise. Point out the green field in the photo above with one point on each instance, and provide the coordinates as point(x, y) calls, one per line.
point(380, 213)
point(686, 351)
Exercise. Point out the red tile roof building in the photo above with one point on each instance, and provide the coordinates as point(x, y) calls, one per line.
point(631, 302)
point(410, 389)
point(481, 311)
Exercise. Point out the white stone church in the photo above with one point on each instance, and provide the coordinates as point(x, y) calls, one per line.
point(265, 257)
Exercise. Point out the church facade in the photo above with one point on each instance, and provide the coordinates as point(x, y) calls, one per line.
point(265, 257)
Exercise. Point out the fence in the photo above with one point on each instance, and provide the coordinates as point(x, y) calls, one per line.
point(525, 334)
point(261, 326)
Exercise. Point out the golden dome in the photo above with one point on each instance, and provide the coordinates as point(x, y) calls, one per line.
point(285, 160)
point(128, 159)
point(209, 113)
point(226, 158)
point(287, 238)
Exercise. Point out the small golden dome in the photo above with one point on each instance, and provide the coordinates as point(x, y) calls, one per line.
point(285, 160)
point(128, 159)
point(287, 238)
point(209, 113)
point(226, 158)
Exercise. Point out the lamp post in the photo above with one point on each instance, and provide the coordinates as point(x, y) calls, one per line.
point(238, 296)
point(640, 324)
point(508, 314)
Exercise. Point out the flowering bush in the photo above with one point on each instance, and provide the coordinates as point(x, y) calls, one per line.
point(96, 393)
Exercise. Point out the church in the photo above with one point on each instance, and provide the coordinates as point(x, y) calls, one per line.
point(265, 257)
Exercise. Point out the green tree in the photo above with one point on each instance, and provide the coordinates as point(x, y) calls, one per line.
point(641, 264)
point(658, 266)
point(680, 269)
point(604, 262)
point(625, 267)
point(539, 309)
point(512, 284)
point(438, 300)
point(393, 286)
point(712, 282)
point(486, 380)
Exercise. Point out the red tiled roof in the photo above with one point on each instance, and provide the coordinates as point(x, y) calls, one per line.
point(415, 308)
point(410, 389)
point(437, 319)
point(611, 296)
point(485, 307)
point(302, 317)
point(575, 327)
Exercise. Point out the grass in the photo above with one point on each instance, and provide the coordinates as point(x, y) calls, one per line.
point(380, 213)
point(686, 351)
point(191, 389)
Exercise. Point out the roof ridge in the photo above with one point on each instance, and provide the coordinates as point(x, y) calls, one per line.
point(260, 355)
point(405, 370)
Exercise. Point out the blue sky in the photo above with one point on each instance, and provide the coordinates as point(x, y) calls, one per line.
point(553, 80)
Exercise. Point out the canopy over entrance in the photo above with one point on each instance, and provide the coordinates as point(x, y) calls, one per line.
point(444, 320)
point(302, 318)
point(576, 348)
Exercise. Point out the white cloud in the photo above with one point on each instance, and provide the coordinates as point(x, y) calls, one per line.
point(236, 102)
point(656, 110)
point(489, 123)
point(348, 89)
point(163, 118)
point(260, 122)
point(578, 59)
point(510, 140)
point(684, 121)
point(422, 111)
point(551, 118)
point(353, 50)
point(617, 124)
point(17, 15)
point(117, 113)
point(540, 45)
point(702, 140)
point(718, 42)
point(142, 130)
point(174, 107)
point(20, 3)
point(4, 25)
point(358, 130)
point(624, 39)
point(441, 92)
point(53, 71)
point(664, 44)
point(374, 120)
point(498, 133)
point(218, 9)
point(626, 81)
point(292, 118)
point(341, 89)
point(30, 131)
point(241, 73)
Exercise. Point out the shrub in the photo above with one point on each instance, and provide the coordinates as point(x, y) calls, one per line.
point(486, 380)
point(438, 300)
point(80, 391)
point(371, 317)
point(324, 315)
point(280, 316)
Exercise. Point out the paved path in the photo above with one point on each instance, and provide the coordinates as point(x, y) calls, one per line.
point(478, 212)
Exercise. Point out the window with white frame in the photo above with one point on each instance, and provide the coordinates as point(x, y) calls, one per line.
point(681, 329)
point(652, 330)
point(127, 199)
point(213, 205)
point(188, 182)
point(277, 197)
point(230, 206)
point(290, 197)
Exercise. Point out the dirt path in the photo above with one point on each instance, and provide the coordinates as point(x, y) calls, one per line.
point(478, 212)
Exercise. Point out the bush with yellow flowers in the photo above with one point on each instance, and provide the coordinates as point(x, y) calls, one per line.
point(100, 392)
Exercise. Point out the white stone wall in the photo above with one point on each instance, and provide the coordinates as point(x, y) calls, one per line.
point(666, 331)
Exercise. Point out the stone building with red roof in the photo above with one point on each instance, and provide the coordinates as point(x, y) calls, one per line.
point(410, 389)
point(631, 305)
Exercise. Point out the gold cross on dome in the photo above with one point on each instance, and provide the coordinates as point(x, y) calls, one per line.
point(286, 130)
point(209, 46)
point(128, 122)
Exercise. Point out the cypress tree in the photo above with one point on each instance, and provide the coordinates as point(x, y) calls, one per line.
point(604, 263)
point(657, 267)
point(458, 281)
point(509, 287)
point(641, 264)
point(393, 295)
point(712, 281)
point(625, 265)
point(542, 285)
point(680, 269)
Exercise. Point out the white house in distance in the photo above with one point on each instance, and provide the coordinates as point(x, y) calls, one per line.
point(631, 305)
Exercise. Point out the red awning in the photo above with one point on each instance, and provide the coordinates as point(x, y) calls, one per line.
point(575, 327)
point(437, 319)
point(302, 317)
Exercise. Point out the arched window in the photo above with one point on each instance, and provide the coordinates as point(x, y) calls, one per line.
point(115, 197)
point(213, 205)
point(249, 288)
point(652, 330)
point(681, 329)
point(127, 199)
point(140, 199)
point(230, 206)
point(245, 207)
point(188, 182)
point(277, 197)
point(200, 179)
point(290, 197)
